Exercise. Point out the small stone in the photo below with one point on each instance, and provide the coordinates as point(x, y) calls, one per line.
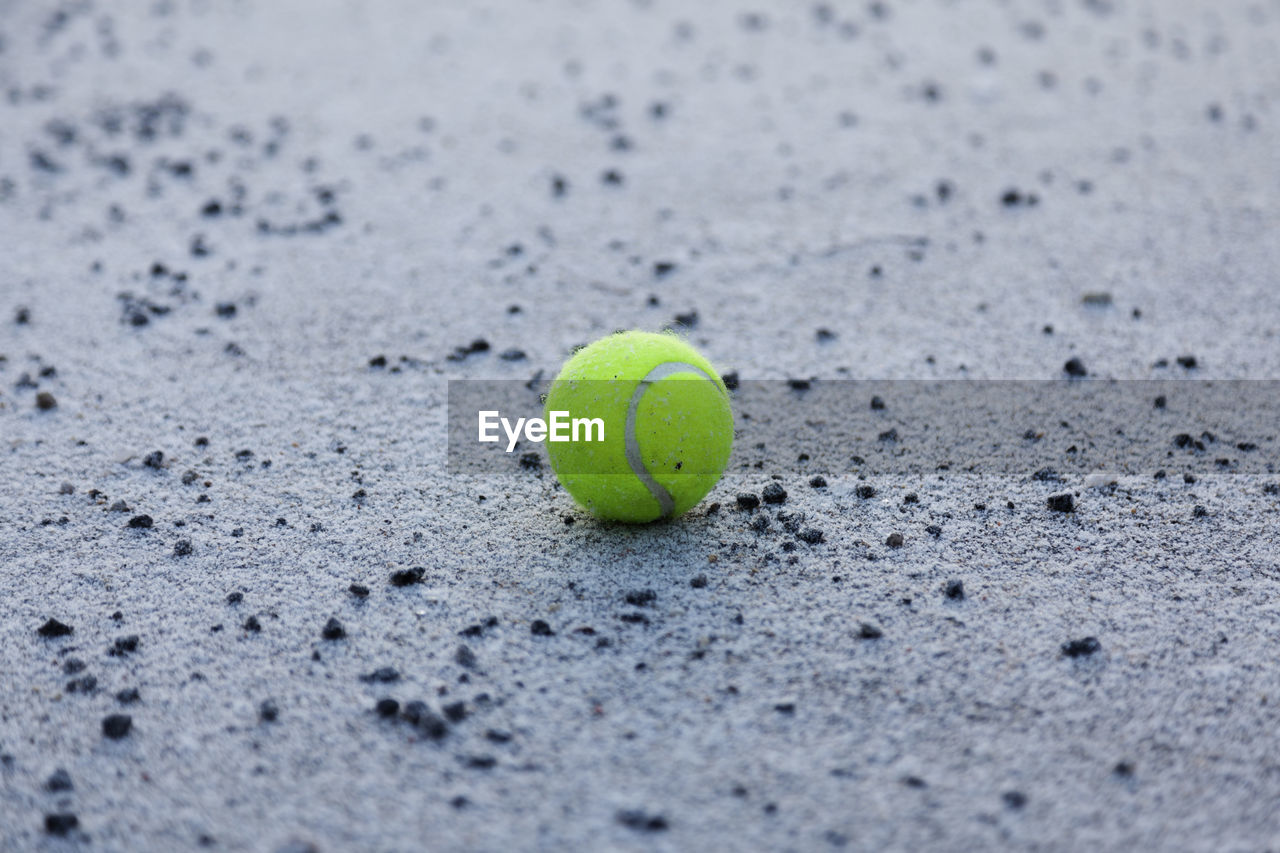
point(894, 540)
point(455, 712)
point(268, 711)
point(59, 780)
point(382, 675)
point(810, 536)
point(698, 582)
point(333, 630)
point(359, 590)
point(387, 707)
point(252, 624)
point(465, 657)
point(1014, 799)
point(866, 492)
point(867, 631)
point(933, 530)
point(641, 598)
point(818, 481)
point(1075, 368)
point(1199, 511)
point(426, 721)
point(954, 590)
point(406, 577)
point(1081, 648)
point(641, 821)
point(154, 459)
point(117, 726)
point(53, 628)
point(182, 548)
point(773, 493)
point(746, 500)
point(141, 522)
point(1061, 503)
point(1187, 361)
point(66, 489)
point(61, 823)
point(539, 628)
point(128, 696)
point(45, 402)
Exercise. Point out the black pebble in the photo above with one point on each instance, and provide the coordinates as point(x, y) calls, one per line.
point(387, 707)
point(128, 696)
point(182, 548)
point(116, 726)
point(773, 493)
point(54, 628)
point(1061, 503)
point(333, 630)
point(1075, 367)
point(426, 721)
point(465, 657)
point(746, 500)
point(818, 481)
point(382, 675)
point(59, 780)
point(866, 492)
point(141, 522)
point(405, 577)
point(541, 629)
point(1014, 799)
point(1199, 512)
point(641, 597)
point(1081, 648)
point(698, 582)
point(235, 597)
point(933, 530)
point(359, 590)
point(46, 401)
point(810, 535)
point(61, 823)
point(455, 712)
point(268, 711)
point(954, 590)
point(641, 821)
point(867, 631)
point(894, 540)
point(252, 624)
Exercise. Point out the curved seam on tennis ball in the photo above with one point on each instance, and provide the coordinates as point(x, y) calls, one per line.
point(666, 503)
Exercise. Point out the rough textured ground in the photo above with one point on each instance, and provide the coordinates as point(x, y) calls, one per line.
point(257, 238)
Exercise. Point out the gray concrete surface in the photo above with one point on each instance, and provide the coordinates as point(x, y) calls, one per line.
point(213, 216)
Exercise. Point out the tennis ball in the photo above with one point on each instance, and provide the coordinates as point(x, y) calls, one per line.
point(668, 426)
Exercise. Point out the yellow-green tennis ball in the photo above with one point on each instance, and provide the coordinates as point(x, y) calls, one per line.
point(668, 426)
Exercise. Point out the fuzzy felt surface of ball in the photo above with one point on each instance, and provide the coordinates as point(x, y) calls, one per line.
point(667, 426)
